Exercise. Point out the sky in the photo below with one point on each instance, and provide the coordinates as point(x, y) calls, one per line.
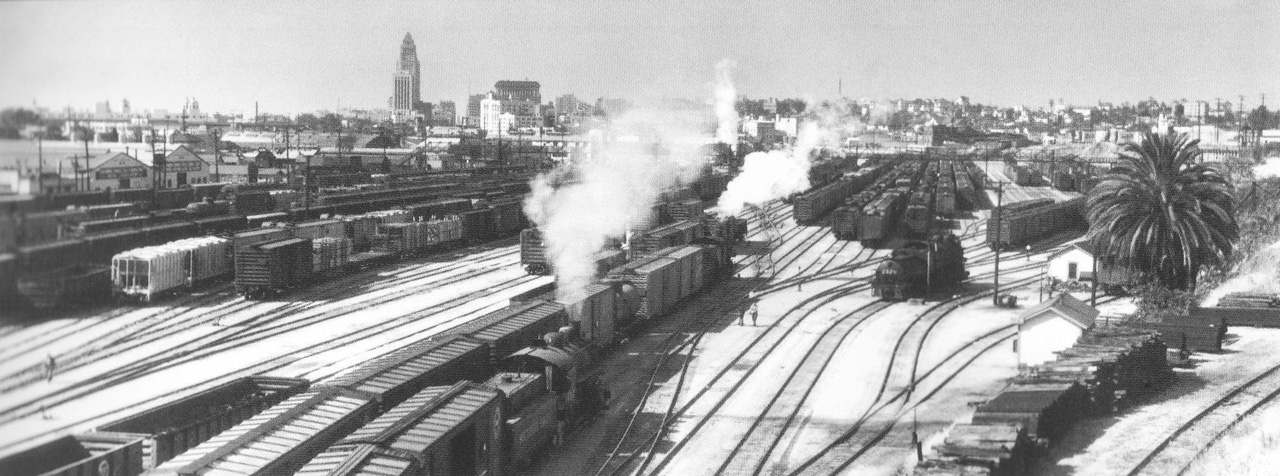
point(295, 57)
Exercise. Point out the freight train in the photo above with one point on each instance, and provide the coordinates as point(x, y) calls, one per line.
point(1015, 225)
point(917, 265)
point(520, 398)
point(811, 206)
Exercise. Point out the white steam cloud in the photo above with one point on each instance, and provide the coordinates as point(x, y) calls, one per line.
point(726, 100)
point(611, 187)
point(776, 174)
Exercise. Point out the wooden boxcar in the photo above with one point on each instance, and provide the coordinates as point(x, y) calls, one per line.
point(281, 439)
point(273, 267)
point(180, 425)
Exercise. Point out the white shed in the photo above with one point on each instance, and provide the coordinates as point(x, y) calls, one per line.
point(1052, 326)
point(1073, 263)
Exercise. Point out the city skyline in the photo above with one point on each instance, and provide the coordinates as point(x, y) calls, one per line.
point(291, 58)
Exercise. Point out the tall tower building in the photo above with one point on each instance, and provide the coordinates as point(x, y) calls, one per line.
point(408, 77)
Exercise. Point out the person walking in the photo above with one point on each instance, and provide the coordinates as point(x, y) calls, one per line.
point(755, 312)
point(49, 367)
point(742, 316)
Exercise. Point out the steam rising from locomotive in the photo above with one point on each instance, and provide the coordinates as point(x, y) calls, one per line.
point(610, 188)
point(726, 101)
point(775, 174)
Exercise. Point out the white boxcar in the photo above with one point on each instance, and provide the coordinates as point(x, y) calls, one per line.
point(147, 272)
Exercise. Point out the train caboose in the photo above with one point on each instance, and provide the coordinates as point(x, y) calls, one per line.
point(918, 264)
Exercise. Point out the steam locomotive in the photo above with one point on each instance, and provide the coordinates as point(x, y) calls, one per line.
point(917, 264)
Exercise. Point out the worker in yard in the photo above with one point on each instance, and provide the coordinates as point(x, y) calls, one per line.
point(755, 312)
point(742, 316)
point(49, 367)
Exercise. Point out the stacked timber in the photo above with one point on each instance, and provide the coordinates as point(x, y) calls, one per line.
point(1045, 410)
point(329, 253)
point(981, 449)
point(1250, 300)
point(1117, 365)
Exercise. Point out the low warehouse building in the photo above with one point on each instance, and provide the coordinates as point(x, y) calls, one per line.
point(1052, 326)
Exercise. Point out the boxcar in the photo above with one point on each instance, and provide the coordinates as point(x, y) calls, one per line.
point(221, 224)
point(513, 327)
point(530, 417)
point(255, 221)
point(71, 286)
point(180, 425)
point(508, 216)
point(158, 234)
point(103, 246)
point(54, 254)
point(477, 225)
point(362, 460)
point(174, 198)
point(416, 236)
point(441, 360)
point(650, 276)
point(113, 224)
point(281, 439)
point(455, 429)
point(134, 195)
point(273, 267)
point(79, 455)
point(533, 253)
point(242, 241)
point(147, 272)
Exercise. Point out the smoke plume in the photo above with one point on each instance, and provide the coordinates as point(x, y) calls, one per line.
point(1256, 274)
point(610, 187)
point(776, 174)
point(726, 99)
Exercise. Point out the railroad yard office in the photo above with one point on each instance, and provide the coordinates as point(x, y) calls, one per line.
point(1052, 326)
point(183, 166)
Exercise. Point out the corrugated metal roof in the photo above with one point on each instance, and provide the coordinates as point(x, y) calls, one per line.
point(509, 320)
point(360, 460)
point(425, 418)
point(400, 367)
point(275, 434)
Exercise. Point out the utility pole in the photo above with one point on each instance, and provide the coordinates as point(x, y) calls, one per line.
point(40, 163)
point(217, 156)
point(995, 298)
point(1097, 274)
point(86, 160)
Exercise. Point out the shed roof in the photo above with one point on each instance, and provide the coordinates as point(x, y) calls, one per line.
point(185, 154)
point(425, 418)
point(1073, 310)
point(1079, 245)
point(98, 161)
point(1025, 398)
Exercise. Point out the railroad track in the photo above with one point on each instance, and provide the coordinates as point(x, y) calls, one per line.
point(1195, 436)
point(140, 369)
point(831, 456)
point(142, 330)
point(840, 291)
point(201, 347)
point(616, 462)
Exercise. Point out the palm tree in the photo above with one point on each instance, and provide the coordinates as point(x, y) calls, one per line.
point(1163, 212)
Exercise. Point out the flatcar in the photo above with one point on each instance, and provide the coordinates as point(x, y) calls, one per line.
point(919, 264)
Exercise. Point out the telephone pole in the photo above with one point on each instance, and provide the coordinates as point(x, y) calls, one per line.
point(217, 156)
point(995, 298)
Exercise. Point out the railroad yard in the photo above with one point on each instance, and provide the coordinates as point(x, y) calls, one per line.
point(766, 343)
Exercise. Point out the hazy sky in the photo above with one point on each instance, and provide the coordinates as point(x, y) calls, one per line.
point(303, 56)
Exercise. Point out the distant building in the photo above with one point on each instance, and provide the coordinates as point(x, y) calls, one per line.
point(183, 166)
point(518, 91)
point(490, 110)
point(445, 114)
point(1073, 263)
point(117, 170)
point(473, 109)
point(1196, 111)
point(408, 77)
